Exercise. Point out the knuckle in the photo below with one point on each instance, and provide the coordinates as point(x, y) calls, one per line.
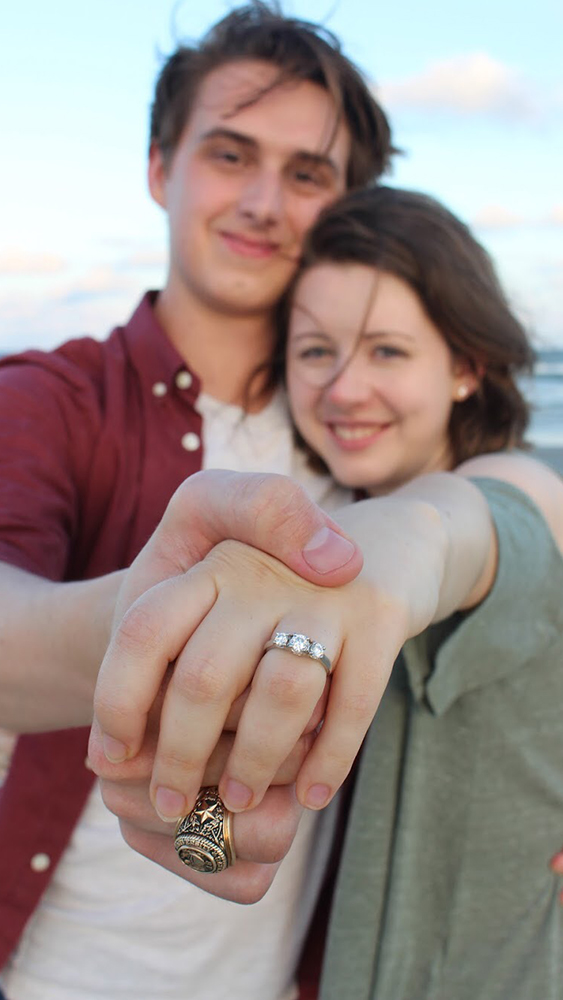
point(254, 884)
point(288, 687)
point(174, 760)
point(117, 800)
point(139, 631)
point(289, 769)
point(97, 760)
point(355, 710)
point(200, 681)
point(115, 710)
point(337, 762)
point(280, 847)
point(278, 502)
point(256, 758)
point(270, 829)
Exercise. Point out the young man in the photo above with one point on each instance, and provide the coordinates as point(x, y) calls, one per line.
point(252, 133)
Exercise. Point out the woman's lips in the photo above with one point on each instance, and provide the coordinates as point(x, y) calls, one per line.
point(354, 437)
point(245, 247)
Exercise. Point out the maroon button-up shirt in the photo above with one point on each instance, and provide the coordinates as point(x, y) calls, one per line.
point(90, 454)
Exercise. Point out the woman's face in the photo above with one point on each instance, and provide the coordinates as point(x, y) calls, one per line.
point(371, 381)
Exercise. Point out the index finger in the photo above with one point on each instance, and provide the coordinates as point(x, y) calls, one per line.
point(148, 639)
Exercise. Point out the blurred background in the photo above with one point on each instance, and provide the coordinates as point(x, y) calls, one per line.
point(474, 90)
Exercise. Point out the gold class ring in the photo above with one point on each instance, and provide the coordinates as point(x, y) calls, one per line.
point(204, 838)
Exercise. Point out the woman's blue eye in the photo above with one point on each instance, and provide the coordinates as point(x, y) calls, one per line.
point(312, 353)
point(386, 351)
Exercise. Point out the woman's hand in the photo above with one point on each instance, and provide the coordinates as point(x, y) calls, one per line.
point(425, 550)
point(213, 623)
point(274, 514)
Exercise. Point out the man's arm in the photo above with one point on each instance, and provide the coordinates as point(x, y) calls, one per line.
point(53, 636)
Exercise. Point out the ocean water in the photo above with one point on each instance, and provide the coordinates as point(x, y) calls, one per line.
point(544, 390)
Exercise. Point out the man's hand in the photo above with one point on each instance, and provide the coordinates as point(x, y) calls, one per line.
point(262, 836)
point(269, 512)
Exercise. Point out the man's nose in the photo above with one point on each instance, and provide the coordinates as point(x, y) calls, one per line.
point(261, 200)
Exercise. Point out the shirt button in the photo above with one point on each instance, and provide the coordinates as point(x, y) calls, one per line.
point(159, 389)
point(40, 862)
point(191, 441)
point(183, 380)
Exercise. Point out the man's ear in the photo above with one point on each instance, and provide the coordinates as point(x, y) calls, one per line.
point(157, 175)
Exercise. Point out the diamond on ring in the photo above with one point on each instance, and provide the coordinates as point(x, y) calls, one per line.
point(300, 645)
point(316, 650)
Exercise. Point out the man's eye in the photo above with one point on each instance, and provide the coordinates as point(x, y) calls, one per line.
point(310, 178)
point(305, 177)
point(226, 155)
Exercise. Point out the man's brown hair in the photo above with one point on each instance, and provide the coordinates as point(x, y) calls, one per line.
point(300, 50)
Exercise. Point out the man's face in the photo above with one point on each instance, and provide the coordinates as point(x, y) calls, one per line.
point(243, 187)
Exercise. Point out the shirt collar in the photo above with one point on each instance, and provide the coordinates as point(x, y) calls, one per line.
point(152, 353)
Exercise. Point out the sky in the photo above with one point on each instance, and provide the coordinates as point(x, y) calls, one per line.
point(474, 90)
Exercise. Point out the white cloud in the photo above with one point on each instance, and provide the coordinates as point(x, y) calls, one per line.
point(99, 281)
point(92, 303)
point(145, 258)
point(496, 217)
point(555, 216)
point(469, 84)
point(21, 262)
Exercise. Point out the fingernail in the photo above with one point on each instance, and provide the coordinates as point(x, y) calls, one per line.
point(317, 796)
point(327, 550)
point(115, 750)
point(170, 805)
point(237, 796)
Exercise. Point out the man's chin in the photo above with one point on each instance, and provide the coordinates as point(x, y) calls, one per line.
point(240, 302)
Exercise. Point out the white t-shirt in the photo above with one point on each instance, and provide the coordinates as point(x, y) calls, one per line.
point(113, 925)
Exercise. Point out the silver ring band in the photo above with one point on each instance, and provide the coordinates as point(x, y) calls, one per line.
point(300, 645)
point(204, 838)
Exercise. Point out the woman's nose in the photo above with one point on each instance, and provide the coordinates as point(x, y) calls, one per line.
point(353, 384)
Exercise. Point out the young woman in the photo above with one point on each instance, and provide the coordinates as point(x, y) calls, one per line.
point(402, 350)
point(402, 358)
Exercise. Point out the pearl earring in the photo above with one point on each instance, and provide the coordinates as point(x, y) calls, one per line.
point(462, 392)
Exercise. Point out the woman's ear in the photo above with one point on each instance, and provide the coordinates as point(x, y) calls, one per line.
point(467, 380)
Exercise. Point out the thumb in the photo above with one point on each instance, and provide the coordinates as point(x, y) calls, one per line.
point(269, 512)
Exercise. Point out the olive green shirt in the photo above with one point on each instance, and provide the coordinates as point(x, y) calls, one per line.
point(444, 890)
